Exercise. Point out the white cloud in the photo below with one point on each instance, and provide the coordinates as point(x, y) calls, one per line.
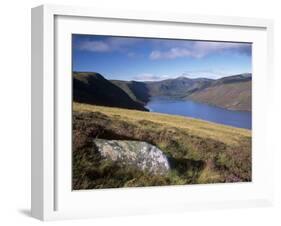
point(170, 54)
point(150, 77)
point(205, 48)
point(108, 45)
point(95, 46)
point(198, 49)
point(161, 48)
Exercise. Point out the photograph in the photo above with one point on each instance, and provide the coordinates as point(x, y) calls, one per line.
point(150, 111)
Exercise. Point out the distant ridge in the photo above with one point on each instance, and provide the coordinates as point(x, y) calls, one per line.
point(232, 92)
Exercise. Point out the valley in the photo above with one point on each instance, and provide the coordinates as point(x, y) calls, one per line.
point(118, 143)
point(233, 92)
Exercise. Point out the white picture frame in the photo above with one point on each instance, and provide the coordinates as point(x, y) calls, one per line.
point(52, 197)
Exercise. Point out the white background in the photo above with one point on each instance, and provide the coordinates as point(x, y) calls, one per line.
point(15, 112)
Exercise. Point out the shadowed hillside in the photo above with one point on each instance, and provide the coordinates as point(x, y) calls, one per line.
point(93, 88)
point(138, 91)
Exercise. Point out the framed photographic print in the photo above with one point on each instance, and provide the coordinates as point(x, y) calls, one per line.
point(138, 112)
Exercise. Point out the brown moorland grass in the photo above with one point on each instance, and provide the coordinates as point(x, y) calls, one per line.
point(204, 129)
point(200, 151)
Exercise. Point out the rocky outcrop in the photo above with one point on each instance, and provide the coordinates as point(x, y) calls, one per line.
point(141, 155)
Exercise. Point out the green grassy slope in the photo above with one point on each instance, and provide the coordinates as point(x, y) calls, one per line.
point(200, 152)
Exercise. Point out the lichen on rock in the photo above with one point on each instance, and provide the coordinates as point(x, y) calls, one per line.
point(139, 154)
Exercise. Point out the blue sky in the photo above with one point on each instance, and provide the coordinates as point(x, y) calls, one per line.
point(147, 59)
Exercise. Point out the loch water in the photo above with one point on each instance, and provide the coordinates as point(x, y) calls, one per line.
point(241, 119)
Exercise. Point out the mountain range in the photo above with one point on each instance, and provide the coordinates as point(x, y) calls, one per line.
point(232, 92)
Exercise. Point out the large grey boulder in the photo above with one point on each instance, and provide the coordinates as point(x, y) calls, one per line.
point(141, 155)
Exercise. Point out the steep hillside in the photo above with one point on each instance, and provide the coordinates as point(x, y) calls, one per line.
point(138, 91)
point(93, 88)
point(234, 93)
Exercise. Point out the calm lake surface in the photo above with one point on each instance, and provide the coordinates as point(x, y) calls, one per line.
point(200, 111)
